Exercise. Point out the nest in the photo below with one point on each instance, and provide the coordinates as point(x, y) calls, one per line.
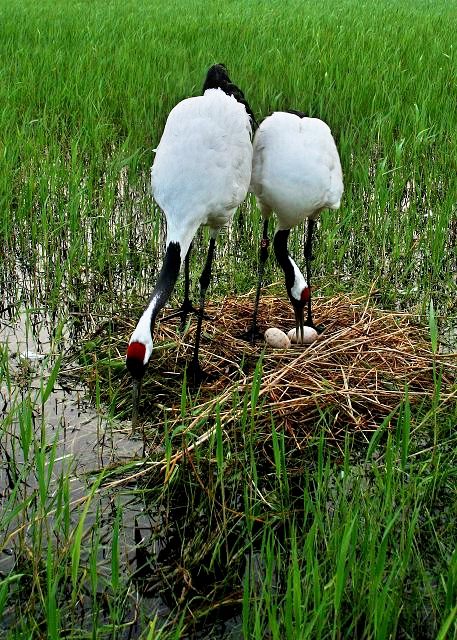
point(354, 375)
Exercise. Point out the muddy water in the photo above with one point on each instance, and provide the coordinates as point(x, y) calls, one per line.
point(87, 442)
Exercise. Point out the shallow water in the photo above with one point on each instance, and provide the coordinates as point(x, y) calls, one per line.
point(87, 442)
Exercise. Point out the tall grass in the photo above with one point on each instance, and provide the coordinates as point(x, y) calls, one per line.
point(317, 544)
point(87, 88)
point(306, 543)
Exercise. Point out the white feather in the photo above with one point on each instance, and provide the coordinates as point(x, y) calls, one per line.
point(202, 167)
point(201, 173)
point(296, 168)
point(296, 173)
point(142, 332)
point(299, 281)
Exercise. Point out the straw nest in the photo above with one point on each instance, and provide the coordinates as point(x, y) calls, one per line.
point(355, 373)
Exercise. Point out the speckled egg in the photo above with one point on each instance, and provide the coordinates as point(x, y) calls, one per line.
point(276, 338)
point(309, 335)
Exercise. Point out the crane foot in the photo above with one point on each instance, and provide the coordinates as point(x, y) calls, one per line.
point(196, 375)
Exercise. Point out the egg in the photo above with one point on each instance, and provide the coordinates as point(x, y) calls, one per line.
point(309, 335)
point(277, 338)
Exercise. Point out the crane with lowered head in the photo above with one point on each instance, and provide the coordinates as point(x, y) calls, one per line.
point(296, 172)
point(201, 173)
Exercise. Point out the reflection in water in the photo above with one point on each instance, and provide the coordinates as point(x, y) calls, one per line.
point(85, 443)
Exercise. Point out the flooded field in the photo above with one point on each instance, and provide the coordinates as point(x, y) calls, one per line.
point(301, 495)
point(53, 444)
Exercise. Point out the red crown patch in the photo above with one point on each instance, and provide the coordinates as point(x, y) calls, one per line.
point(136, 351)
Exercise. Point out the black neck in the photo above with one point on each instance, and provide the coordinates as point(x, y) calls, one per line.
point(282, 256)
point(167, 279)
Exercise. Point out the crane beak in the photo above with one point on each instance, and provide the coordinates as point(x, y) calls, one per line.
point(299, 323)
point(136, 403)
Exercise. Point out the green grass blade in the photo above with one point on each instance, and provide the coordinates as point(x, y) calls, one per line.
point(78, 535)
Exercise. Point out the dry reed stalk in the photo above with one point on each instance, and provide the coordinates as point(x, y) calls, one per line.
point(356, 371)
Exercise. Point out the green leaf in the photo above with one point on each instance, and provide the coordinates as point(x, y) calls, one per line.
point(51, 380)
point(78, 535)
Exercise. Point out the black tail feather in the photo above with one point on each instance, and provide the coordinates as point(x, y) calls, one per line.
point(300, 114)
point(218, 78)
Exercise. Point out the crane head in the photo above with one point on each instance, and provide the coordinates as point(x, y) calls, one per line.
point(299, 302)
point(136, 361)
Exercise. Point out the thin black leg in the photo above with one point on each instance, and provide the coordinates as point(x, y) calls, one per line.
point(263, 255)
point(204, 284)
point(253, 333)
point(187, 306)
point(308, 253)
point(186, 274)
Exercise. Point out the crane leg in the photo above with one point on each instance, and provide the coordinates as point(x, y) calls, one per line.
point(253, 332)
point(187, 306)
point(204, 284)
point(308, 257)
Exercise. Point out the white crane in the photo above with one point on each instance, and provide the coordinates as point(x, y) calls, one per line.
point(296, 173)
point(201, 173)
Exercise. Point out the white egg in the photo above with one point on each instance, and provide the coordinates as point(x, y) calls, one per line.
point(277, 338)
point(309, 335)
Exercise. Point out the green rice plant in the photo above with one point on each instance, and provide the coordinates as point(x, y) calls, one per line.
point(405, 421)
point(447, 624)
point(320, 544)
point(25, 427)
point(115, 553)
point(279, 453)
point(4, 589)
point(347, 566)
point(52, 610)
point(78, 536)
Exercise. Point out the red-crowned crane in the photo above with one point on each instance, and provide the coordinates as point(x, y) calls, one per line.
point(201, 173)
point(296, 173)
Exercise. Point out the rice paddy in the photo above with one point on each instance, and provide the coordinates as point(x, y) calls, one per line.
point(306, 494)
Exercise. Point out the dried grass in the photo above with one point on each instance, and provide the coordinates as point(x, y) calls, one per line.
point(356, 371)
